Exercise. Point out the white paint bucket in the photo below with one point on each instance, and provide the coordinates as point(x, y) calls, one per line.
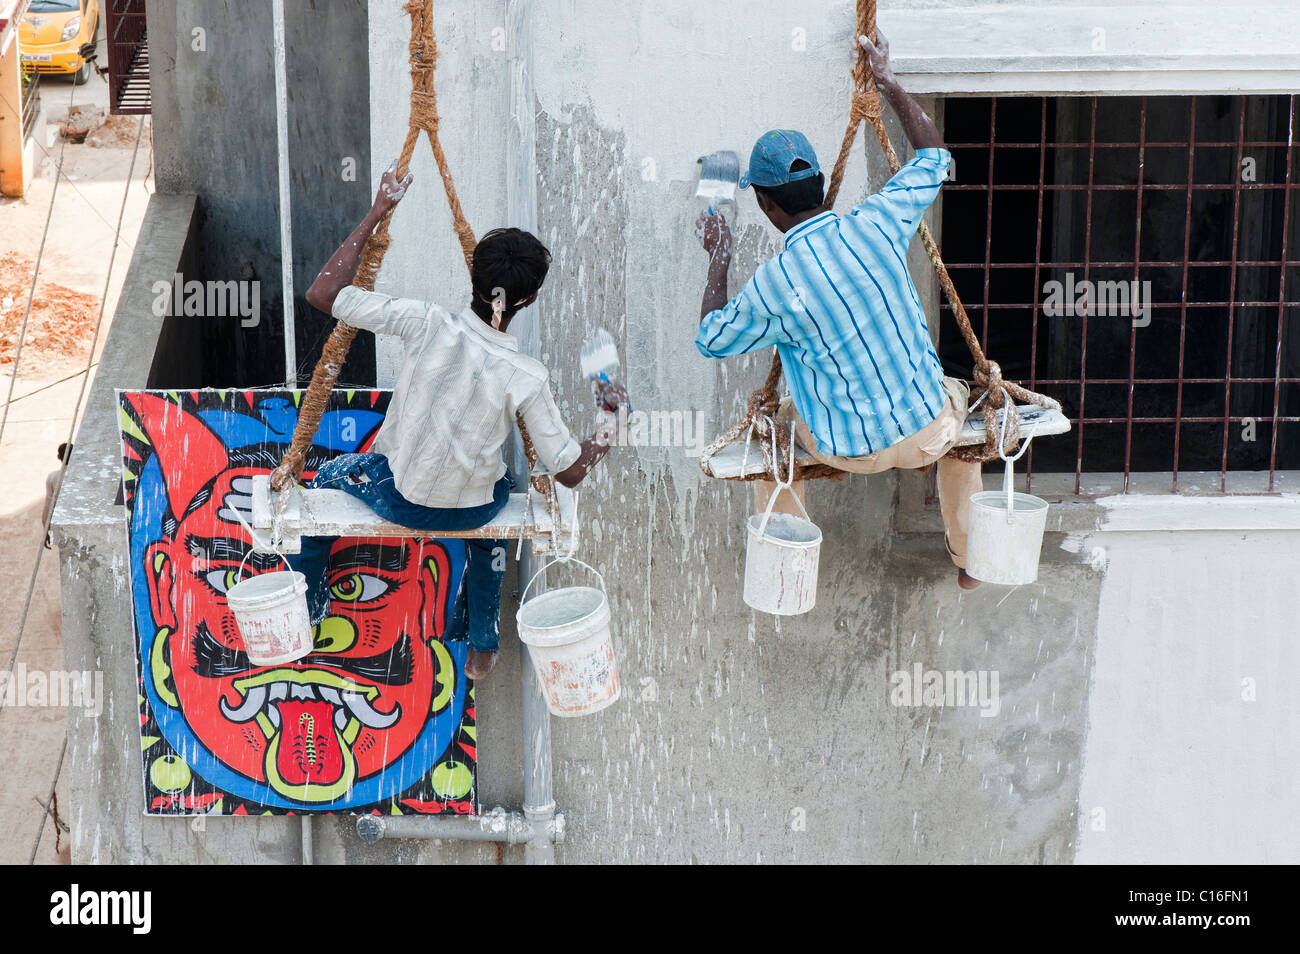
point(781, 557)
point(781, 550)
point(568, 638)
point(1005, 535)
point(271, 613)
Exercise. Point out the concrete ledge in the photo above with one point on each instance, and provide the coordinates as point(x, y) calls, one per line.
point(1136, 513)
point(1140, 47)
point(1149, 506)
point(95, 471)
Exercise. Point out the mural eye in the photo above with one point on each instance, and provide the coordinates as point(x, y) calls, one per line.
point(222, 580)
point(359, 588)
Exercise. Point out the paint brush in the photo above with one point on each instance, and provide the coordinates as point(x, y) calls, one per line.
point(719, 176)
point(599, 358)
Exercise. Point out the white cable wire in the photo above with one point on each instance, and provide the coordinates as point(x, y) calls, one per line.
point(31, 294)
point(76, 414)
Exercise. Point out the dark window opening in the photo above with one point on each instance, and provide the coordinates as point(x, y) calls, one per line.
point(1194, 199)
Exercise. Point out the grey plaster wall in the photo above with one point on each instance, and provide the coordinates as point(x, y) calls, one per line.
point(213, 86)
point(107, 812)
point(740, 737)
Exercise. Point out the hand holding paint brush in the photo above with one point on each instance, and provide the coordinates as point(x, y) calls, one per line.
point(714, 233)
point(719, 175)
point(599, 361)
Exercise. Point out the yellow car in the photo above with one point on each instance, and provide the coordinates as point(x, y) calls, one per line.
point(58, 36)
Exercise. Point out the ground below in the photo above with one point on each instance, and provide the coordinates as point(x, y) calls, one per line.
point(59, 355)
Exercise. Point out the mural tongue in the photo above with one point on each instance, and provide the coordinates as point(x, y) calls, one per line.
point(309, 751)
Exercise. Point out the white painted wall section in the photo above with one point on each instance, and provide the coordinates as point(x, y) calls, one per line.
point(1101, 46)
point(1193, 746)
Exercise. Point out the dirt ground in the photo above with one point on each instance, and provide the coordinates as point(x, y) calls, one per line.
point(50, 373)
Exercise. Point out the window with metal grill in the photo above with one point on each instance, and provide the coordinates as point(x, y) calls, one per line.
point(1137, 258)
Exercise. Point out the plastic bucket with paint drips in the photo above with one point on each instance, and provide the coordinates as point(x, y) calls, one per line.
point(569, 642)
point(781, 559)
point(271, 613)
point(782, 551)
point(1004, 537)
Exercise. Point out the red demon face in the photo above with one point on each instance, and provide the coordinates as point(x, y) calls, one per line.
point(314, 728)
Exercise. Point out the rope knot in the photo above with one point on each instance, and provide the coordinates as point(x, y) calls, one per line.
point(865, 105)
point(989, 377)
point(424, 110)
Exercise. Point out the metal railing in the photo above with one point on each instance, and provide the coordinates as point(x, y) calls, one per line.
point(31, 105)
point(1190, 201)
point(128, 57)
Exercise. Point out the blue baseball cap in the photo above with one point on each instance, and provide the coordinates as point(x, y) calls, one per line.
point(774, 154)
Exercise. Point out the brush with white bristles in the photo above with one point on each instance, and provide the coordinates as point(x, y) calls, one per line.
point(599, 358)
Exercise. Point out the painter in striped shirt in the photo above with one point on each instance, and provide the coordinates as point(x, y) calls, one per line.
point(867, 391)
point(839, 305)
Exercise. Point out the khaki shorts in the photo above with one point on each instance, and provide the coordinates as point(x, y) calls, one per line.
point(914, 452)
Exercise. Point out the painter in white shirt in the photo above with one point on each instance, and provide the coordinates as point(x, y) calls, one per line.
point(461, 383)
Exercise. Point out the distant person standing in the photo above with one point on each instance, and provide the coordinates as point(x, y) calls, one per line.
point(53, 481)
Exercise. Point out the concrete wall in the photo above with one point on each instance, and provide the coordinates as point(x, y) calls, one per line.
point(736, 730)
point(742, 737)
point(107, 812)
point(213, 82)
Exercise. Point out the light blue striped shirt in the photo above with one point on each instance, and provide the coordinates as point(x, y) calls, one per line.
point(841, 308)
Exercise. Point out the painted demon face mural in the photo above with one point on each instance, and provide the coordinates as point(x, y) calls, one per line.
point(376, 718)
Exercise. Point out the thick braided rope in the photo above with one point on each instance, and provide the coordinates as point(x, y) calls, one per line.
point(423, 50)
point(763, 406)
point(544, 484)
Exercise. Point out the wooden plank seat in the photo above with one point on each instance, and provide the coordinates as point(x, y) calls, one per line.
point(735, 460)
point(333, 513)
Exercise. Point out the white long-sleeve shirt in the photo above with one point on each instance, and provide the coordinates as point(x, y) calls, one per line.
point(455, 401)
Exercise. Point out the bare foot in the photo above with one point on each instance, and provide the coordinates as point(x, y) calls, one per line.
point(479, 665)
point(965, 580)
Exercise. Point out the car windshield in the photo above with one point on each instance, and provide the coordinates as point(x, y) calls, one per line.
point(54, 6)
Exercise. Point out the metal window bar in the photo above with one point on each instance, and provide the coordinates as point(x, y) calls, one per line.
point(1137, 274)
point(1139, 413)
point(1182, 315)
point(1087, 259)
point(1281, 292)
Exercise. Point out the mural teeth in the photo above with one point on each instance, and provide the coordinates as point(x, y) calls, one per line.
point(248, 708)
point(366, 714)
point(302, 693)
point(274, 715)
point(330, 695)
point(340, 719)
point(279, 691)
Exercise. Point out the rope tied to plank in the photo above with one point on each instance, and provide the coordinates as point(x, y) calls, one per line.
point(866, 105)
point(423, 53)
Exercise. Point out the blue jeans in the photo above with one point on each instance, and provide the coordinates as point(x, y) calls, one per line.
point(476, 615)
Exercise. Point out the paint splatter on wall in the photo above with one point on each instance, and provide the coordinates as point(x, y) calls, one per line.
point(379, 718)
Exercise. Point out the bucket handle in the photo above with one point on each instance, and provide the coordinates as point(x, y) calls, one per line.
point(251, 550)
point(1008, 477)
point(787, 484)
point(523, 597)
point(277, 534)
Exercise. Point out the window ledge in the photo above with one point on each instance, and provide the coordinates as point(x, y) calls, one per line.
point(1094, 47)
point(1149, 506)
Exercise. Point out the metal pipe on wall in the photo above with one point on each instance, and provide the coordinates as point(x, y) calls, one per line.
point(308, 853)
point(508, 828)
point(286, 208)
point(521, 209)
